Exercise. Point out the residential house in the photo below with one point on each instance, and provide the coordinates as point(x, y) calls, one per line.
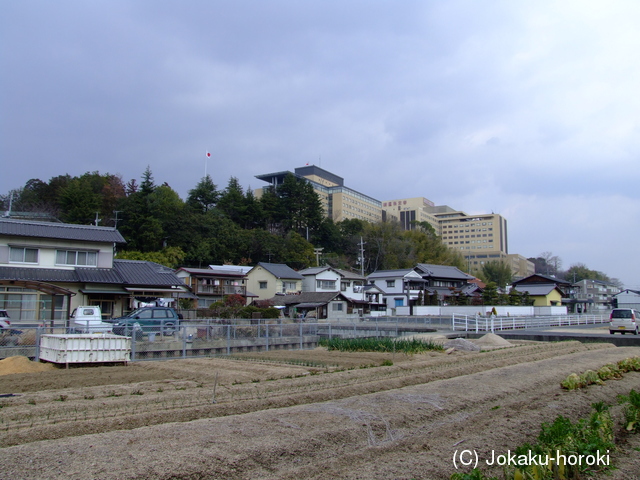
point(47, 269)
point(542, 295)
point(312, 306)
point(401, 287)
point(627, 299)
point(212, 284)
point(366, 298)
point(444, 280)
point(544, 290)
point(266, 280)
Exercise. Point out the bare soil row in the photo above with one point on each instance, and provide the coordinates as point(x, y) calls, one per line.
point(275, 416)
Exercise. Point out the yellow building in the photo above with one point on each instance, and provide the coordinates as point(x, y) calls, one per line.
point(267, 280)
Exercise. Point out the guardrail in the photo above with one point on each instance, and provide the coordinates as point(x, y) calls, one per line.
point(476, 323)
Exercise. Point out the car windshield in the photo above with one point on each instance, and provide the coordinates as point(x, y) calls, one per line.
point(140, 312)
point(621, 314)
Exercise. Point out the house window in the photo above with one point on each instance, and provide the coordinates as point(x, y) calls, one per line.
point(391, 283)
point(23, 255)
point(263, 285)
point(326, 284)
point(288, 286)
point(337, 307)
point(344, 286)
point(76, 258)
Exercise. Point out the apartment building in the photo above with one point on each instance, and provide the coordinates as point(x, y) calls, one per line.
point(338, 201)
point(594, 294)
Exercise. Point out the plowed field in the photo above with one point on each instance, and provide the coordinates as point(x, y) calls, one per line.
point(298, 414)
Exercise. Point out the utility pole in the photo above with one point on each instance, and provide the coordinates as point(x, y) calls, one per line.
point(115, 227)
point(362, 265)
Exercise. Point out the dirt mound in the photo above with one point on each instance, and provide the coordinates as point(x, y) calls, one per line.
point(493, 340)
point(19, 364)
point(462, 344)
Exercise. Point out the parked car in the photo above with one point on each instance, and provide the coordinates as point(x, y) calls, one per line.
point(8, 336)
point(4, 320)
point(624, 320)
point(162, 320)
point(88, 319)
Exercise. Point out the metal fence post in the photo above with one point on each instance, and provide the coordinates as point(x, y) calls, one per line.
point(300, 325)
point(266, 326)
point(38, 333)
point(229, 339)
point(133, 346)
point(184, 341)
point(329, 331)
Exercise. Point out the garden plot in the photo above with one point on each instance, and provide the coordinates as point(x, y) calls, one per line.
point(294, 414)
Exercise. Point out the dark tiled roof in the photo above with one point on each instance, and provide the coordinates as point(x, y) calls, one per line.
point(280, 270)
point(61, 231)
point(539, 278)
point(98, 275)
point(38, 274)
point(442, 271)
point(124, 272)
point(139, 272)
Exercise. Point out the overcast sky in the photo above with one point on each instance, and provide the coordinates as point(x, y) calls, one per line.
point(527, 109)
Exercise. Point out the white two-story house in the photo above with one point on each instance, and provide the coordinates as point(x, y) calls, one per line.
point(401, 287)
point(362, 298)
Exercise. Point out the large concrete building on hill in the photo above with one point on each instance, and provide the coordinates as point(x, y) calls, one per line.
point(480, 238)
point(339, 202)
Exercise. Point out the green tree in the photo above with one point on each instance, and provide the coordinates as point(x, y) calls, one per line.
point(579, 271)
point(490, 294)
point(204, 196)
point(515, 297)
point(232, 203)
point(498, 272)
point(170, 257)
point(298, 252)
point(79, 202)
point(140, 227)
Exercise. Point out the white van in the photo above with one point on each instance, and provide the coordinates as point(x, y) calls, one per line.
point(624, 320)
point(88, 319)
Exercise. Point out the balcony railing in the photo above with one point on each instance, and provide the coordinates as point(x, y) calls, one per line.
point(220, 290)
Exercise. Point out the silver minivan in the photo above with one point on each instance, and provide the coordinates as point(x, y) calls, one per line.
point(624, 320)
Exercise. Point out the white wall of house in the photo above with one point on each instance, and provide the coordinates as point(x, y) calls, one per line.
point(326, 281)
point(47, 252)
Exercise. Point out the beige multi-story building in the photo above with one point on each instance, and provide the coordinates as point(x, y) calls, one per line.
point(339, 202)
point(480, 238)
point(410, 212)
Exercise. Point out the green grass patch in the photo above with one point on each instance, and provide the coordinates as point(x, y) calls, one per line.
point(384, 344)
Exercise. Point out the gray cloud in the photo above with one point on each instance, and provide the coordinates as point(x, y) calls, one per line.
point(529, 110)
